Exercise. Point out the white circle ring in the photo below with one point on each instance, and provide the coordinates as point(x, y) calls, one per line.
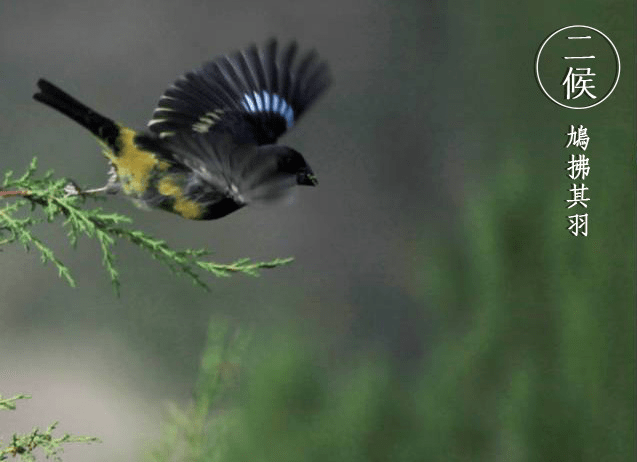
point(537, 68)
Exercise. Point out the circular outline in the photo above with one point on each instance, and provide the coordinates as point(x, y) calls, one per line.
point(537, 69)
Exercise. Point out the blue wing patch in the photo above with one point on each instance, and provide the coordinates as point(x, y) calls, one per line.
point(266, 102)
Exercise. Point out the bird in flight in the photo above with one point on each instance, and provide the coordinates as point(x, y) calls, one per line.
point(210, 148)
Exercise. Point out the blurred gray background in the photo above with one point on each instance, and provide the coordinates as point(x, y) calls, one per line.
point(102, 364)
point(422, 91)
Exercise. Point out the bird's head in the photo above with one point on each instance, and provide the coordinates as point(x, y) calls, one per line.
point(293, 162)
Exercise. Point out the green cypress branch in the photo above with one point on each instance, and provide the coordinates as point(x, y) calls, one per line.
point(8, 404)
point(26, 444)
point(52, 197)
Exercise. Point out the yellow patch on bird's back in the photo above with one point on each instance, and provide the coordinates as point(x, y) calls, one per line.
point(167, 187)
point(183, 206)
point(135, 167)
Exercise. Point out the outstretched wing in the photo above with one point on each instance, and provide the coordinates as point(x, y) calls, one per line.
point(256, 94)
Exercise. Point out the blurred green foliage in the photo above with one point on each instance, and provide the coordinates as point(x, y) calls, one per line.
point(531, 363)
point(532, 356)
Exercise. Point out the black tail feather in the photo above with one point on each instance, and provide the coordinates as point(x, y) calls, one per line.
point(102, 127)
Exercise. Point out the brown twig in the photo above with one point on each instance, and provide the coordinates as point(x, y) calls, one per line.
point(15, 193)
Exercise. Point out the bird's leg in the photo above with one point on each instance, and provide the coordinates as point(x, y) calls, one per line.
point(112, 185)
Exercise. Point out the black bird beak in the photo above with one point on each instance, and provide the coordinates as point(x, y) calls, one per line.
point(306, 179)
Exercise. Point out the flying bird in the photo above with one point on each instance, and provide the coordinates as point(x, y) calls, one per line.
point(211, 144)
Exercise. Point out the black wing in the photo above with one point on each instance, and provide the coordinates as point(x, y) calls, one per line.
point(255, 94)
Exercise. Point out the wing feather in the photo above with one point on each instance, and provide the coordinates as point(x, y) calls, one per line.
point(257, 94)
